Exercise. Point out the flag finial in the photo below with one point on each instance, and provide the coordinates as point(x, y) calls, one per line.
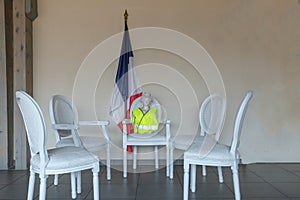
point(125, 15)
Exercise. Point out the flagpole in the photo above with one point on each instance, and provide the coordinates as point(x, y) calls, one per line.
point(125, 92)
point(125, 20)
point(125, 15)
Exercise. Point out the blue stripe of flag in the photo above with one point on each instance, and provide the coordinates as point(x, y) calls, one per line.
point(122, 76)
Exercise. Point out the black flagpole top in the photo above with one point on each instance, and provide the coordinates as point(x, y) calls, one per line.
point(125, 15)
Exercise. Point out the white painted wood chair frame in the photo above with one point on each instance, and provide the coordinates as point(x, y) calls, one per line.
point(54, 161)
point(220, 155)
point(152, 139)
point(211, 127)
point(209, 124)
point(64, 121)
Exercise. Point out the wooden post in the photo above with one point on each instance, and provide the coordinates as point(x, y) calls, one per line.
point(9, 79)
point(16, 73)
point(19, 35)
point(22, 36)
point(3, 91)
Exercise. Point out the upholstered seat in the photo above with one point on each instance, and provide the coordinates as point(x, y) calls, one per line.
point(220, 153)
point(158, 139)
point(66, 158)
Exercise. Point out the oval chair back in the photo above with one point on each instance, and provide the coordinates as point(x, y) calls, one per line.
point(34, 124)
point(212, 115)
point(62, 111)
point(239, 122)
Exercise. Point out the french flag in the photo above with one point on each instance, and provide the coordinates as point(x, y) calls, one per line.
point(126, 88)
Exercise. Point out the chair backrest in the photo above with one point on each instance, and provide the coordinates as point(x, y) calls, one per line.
point(212, 115)
point(34, 125)
point(239, 122)
point(62, 111)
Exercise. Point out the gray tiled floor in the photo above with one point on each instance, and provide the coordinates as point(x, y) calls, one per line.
point(257, 181)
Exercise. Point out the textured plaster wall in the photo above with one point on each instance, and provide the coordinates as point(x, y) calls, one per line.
point(254, 43)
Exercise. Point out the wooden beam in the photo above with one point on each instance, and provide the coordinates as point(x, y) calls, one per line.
point(3, 92)
point(9, 79)
point(22, 70)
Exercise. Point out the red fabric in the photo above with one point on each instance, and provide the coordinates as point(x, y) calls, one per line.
point(130, 128)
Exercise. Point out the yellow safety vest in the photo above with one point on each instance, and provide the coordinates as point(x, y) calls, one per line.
point(144, 123)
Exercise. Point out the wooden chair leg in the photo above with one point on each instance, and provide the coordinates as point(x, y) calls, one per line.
point(235, 176)
point(171, 162)
point(108, 172)
point(203, 170)
point(168, 162)
point(31, 186)
point(43, 181)
point(156, 157)
point(73, 185)
point(193, 178)
point(134, 156)
point(96, 182)
point(221, 180)
point(186, 169)
point(56, 179)
point(124, 163)
point(78, 179)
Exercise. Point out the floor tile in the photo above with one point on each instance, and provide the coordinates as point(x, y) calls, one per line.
point(288, 189)
point(117, 177)
point(16, 191)
point(290, 166)
point(275, 176)
point(9, 176)
point(64, 191)
point(211, 190)
point(159, 191)
point(244, 177)
point(117, 191)
point(263, 198)
point(258, 190)
point(156, 178)
point(265, 168)
point(296, 173)
point(257, 181)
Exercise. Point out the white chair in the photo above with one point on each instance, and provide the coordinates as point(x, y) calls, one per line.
point(64, 119)
point(211, 118)
point(54, 161)
point(160, 138)
point(220, 155)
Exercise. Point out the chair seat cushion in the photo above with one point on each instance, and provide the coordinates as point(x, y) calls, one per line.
point(155, 140)
point(219, 155)
point(146, 135)
point(89, 142)
point(64, 159)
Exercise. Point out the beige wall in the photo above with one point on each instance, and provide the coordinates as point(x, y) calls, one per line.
point(255, 44)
